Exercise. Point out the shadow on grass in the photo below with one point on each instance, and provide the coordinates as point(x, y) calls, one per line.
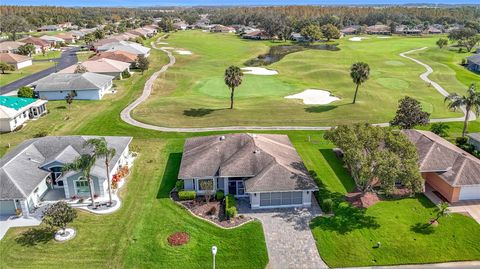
point(170, 175)
point(61, 107)
point(422, 228)
point(35, 236)
point(338, 169)
point(198, 112)
point(319, 109)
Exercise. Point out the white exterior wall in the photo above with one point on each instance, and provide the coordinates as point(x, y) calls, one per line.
point(21, 65)
point(189, 184)
point(81, 95)
point(307, 198)
point(35, 197)
point(8, 125)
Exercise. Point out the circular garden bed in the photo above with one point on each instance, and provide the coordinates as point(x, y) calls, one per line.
point(178, 239)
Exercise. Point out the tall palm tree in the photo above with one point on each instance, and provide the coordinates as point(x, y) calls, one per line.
point(233, 78)
point(442, 210)
point(471, 102)
point(101, 150)
point(359, 73)
point(84, 164)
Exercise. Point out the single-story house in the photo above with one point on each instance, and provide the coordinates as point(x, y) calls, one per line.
point(450, 171)
point(87, 86)
point(180, 25)
point(474, 140)
point(48, 28)
point(378, 29)
point(34, 167)
point(37, 42)
point(473, 63)
point(218, 28)
point(117, 55)
point(138, 32)
point(406, 30)
point(264, 168)
point(351, 30)
point(433, 30)
point(53, 40)
point(297, 37)
point(101, 42)
point(101, 66)
point(258, 35)
point(15, 111)
point(17, 60)
point(127, 46)
point(68, 37)
point(10, 46)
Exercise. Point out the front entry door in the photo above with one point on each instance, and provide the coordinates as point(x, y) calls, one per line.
point(232, 187)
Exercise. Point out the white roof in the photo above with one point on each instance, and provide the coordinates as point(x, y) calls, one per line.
point(52, 38)
point(10, 113)
point(127, 46)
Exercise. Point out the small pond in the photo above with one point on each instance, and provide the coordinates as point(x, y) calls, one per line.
point(277, 53)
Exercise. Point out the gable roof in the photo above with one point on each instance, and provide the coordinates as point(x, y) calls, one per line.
point(127, 46)
point(456, 166)
point(21, 168)
point(117, 55)
point(474, 136)
point(474, 59)
point(78, 82)
point(270, 162)
point(102, 65)
point(35, 41)
point(52, 38)
point(10, 45)
point(13, 58)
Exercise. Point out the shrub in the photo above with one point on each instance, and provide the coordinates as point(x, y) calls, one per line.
point(187, 195)
point(40, 134)
point(230, 208)
point(212, 210)
point(219, 195)
point(178, 239)
point(464, 61)
point(179, 185)
point(25, 92)
point(440, 128)
point(327, 205)
point(126, 74)
point(461, 141)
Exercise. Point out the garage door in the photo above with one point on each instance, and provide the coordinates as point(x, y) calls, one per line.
point(7, 208)
point(469, 193)
point(280, 198)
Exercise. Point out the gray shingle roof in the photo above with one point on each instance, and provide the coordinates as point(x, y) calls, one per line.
point(454, 165)
point(474, 136)
point(78, 82)
point(127, 46)
point(21, 168)
point(474, 59)
point(269, 161)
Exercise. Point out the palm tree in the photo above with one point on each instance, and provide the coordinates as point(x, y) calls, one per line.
point(84, 164)
point(233, 79)
point(471, 102)
point(442, 210)
point(101, 150)
point(359, 73)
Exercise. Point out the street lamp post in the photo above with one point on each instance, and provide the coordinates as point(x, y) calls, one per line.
point(214, 252)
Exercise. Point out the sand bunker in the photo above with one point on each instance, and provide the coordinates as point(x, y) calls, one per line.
point(314, 97)
point(162, 43)
point(184, 52)
point(384, 37)
point(259, 71)
point(357, 38)
point(167, 48)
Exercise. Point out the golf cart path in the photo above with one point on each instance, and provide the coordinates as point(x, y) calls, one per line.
point(125, 115)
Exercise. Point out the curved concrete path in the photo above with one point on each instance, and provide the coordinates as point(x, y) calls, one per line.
point(125, 115)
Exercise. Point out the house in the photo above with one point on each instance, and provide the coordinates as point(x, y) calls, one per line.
point(48, 28)
point(473, 63)
point(53, 40)
point(180, 25)
point(258, 35)
point(117, 55)
point(127, 46)
point(405, 30)
point(297, 37)
point(474, 140)
point(139, 32)
point(264, 168)
point(10, 46)
point(351, 30)
point(34, 168)
point(77, 34)
point(433, 30)
point(379, 29)
point(37, 42)
point(218, 28)
point(68, 37)
point(450, 171)
point(87, 86)
point(15, 111)
point(17, 60)
point(114, 39)
point(101, 66)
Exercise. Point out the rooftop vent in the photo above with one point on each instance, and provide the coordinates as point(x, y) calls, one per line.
point(222, 138)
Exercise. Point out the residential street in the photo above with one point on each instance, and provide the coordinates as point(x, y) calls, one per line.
point(68, 58)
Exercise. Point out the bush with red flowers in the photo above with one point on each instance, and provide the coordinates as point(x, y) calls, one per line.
point(178, 239)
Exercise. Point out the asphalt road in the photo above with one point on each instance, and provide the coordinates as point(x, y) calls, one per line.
point(68, 58)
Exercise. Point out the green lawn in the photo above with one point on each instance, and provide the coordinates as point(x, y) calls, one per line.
point(192, 93)
point(52, 54)
point(10, 77)
point(84, 55)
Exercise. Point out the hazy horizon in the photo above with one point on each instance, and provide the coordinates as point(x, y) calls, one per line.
point(185, 3)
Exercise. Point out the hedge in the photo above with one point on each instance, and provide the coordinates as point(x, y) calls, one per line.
point(219, 195)
point(179, 185)
point(230, 208)
point(187, 195)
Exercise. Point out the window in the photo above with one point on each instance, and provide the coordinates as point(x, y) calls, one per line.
point(82, 186)
point(203, 182)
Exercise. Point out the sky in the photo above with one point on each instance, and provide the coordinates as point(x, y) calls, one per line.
point(133, 3)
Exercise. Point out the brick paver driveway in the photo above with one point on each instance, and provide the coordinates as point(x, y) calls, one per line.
point(290, 242)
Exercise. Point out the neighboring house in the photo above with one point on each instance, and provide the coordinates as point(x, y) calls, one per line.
point(48, 28)
point(118, 55)
point(68, 37)
point(17, 60)
point(127, 46)
point(218, 28)
point(473, 63)
point(10, 46)
point(257, 35)
point(351, 30)
point(87, 86)
point(474, 139)
point(378, 29)
point(405, 30)
point(138, 32)
point(180, 25)
point(449, 170)
point(34, 167)
point(262, 167)
point(114, 39)
point(37, 42)
point(297, 37)
point(53, 40)
point(102, 66)
point(433, 30)
point(15, 111)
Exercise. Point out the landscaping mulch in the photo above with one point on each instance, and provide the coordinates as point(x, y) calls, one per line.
point(178, 239)
point(362, 200)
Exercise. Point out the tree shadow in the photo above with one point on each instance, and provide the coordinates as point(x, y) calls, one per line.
point(35, 236)
point(422, 228)
point(170, 175)
point(340, 171)
point(319, 109)
point(61, 107)
point(197, 112)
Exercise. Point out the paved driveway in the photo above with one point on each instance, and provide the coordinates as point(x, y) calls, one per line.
point(290, 242)
point(470, 207)
point(68, 57)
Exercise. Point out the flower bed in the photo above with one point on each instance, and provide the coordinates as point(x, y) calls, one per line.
point(178, 239)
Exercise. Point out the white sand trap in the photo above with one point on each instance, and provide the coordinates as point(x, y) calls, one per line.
point(384, 37)
point(184, 52)
point(259, 71)
point(314, 97)
point(167, 48)
point(357, 38)
point(162, 43)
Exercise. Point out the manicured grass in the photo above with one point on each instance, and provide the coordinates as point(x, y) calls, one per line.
point(192, 93)
point(52, 54)
point(83, 56)
point(11, 76)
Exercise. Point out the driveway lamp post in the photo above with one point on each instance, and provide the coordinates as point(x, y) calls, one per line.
point(214, 252)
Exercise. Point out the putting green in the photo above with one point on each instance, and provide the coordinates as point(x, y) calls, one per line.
point(393, 83)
